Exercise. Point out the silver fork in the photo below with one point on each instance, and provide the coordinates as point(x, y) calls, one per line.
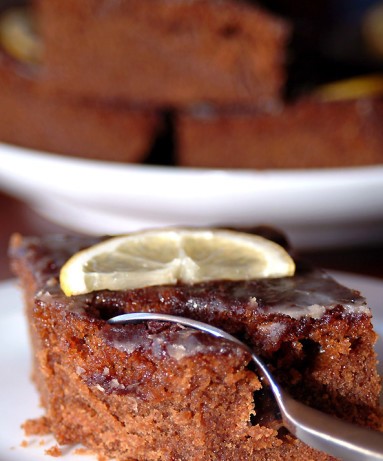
point(318, 430)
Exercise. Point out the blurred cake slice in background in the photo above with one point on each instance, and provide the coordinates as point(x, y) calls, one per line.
point(309, 133)
point(112, 80)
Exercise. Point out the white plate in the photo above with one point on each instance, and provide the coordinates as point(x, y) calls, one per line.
point(19, 400)
point(316, 208)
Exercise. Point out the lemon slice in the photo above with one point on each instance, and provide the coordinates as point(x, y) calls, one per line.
point(18, 35)
point(169, 256)
point(353, 88)
point(372, 30)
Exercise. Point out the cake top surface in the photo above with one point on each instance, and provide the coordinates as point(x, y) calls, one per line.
point(308, 293)
point(263, 311)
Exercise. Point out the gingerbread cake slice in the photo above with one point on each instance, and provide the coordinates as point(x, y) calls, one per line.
point(208, 137)
point(164, 53)
point(95, 129)
point(155, 391)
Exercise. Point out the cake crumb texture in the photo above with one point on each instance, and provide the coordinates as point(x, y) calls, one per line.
point(54, 451)
point(38, 426)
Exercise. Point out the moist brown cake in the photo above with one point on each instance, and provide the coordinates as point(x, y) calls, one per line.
point(164, 53)
point(89, 129)
point(110, 75)
point(307, 134)
point(154, 391)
